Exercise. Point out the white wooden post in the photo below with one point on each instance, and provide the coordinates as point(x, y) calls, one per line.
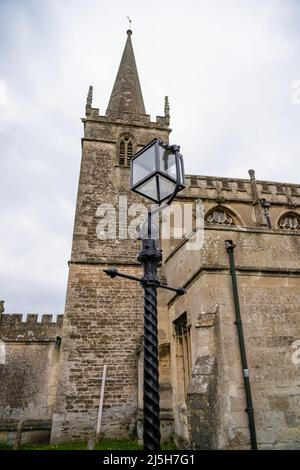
point(101, 402)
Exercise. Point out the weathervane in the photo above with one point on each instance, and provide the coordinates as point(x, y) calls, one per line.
point(129, 22)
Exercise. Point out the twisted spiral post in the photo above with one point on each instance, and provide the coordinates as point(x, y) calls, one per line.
point(151, 376)
point(150, 256)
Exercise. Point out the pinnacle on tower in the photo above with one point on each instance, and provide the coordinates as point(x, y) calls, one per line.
point(89, 101)
point(167, 110)
point(126, 96)
point(89, 98)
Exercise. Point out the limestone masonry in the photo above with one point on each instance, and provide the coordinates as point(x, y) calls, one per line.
point(51, 371)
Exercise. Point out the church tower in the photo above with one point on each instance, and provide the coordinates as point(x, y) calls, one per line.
point(103, 319)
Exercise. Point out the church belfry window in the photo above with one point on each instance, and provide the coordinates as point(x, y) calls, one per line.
point(125, 150)
point(289, 221)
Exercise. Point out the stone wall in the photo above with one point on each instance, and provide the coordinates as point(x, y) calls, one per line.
point(28, 369)
point(103, 325)
point(267, 264)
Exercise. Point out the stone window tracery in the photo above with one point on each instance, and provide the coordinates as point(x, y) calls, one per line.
point(220, 215)
point(289, 221)
point(125, 150)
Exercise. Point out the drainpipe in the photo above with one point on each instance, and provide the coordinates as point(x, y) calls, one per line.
point(249, 410)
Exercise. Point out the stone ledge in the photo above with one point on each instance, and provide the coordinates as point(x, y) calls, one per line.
point(28, 425)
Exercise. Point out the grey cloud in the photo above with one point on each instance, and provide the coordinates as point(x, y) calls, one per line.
point(227, 67)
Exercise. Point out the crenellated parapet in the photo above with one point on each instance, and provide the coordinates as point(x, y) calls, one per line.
point(125, 118)
point(247, 203)
point(30, 327)
point(243, 190)
point(242, 185)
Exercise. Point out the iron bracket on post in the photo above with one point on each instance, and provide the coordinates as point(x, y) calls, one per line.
point(144, 281)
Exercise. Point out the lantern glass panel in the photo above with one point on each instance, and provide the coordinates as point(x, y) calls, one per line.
point(166, 188)
point(167, 162)
point(149, 188)
point(143, 165)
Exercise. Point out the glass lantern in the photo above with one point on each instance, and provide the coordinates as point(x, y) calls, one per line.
point(157, 171)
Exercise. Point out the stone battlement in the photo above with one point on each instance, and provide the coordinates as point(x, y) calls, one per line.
point(242, 189)
point(31, 318)
point(241, 184)
point(113, 117)
point(30, 327)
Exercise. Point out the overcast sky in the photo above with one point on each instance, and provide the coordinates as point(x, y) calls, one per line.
point(228, 68)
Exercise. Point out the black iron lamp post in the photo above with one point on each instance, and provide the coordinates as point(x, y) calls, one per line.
point(157, 173)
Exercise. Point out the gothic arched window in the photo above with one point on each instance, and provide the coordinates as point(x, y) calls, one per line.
point(220, 215)
point(289, 221)
point(125, 150)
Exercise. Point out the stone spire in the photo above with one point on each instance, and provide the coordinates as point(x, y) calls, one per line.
point(126, 96)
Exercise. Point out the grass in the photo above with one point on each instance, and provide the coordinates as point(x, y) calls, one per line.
point(103, 445)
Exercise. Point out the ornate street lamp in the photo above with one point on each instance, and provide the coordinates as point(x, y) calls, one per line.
point(157, 173)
